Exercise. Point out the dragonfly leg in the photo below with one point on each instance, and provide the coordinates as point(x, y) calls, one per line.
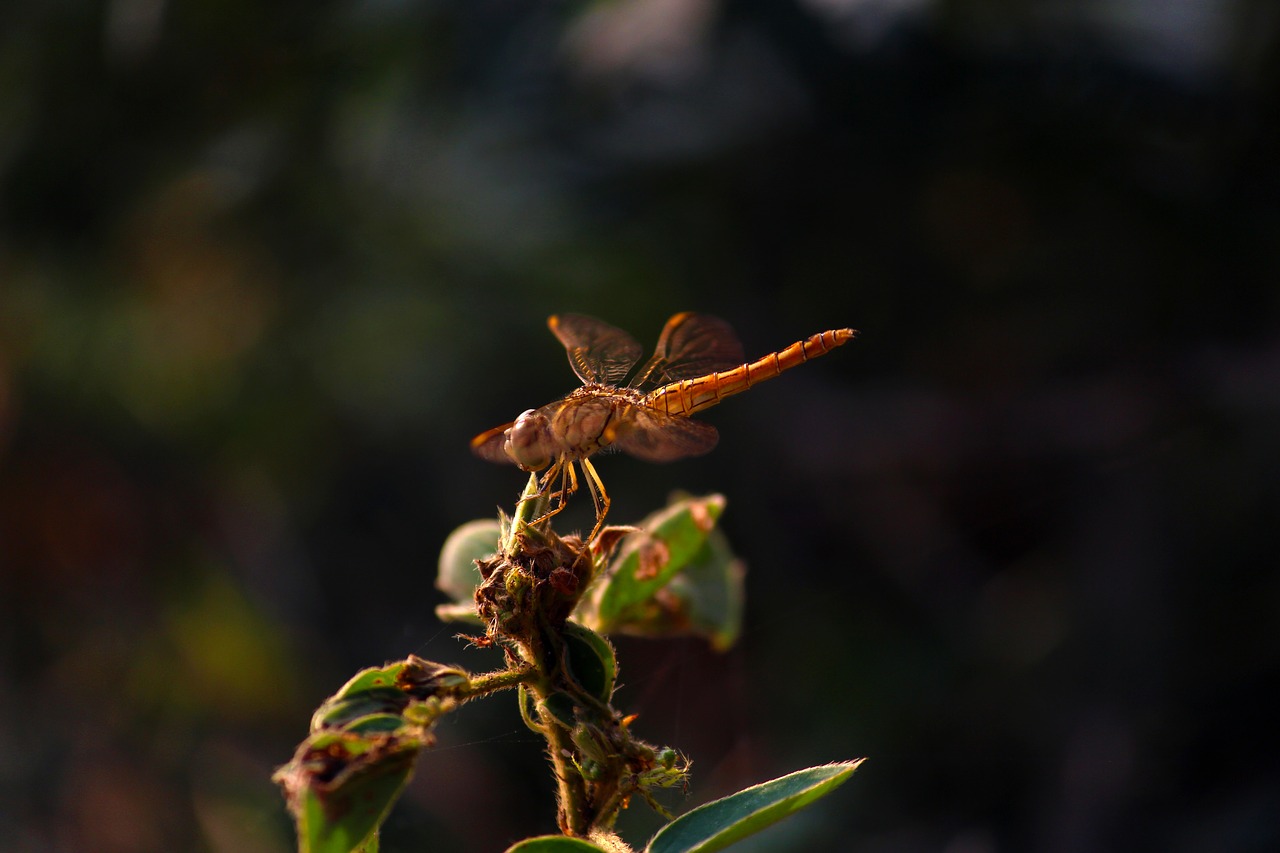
point(598, 496)
point(564, 469)
point(571, 487)
point(544, 489)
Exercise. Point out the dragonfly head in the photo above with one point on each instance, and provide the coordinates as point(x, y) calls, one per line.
point(529, 441)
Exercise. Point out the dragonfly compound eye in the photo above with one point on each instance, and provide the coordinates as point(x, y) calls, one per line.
point(528, 441)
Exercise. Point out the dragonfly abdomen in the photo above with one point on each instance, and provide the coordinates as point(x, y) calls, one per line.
point(693, 395)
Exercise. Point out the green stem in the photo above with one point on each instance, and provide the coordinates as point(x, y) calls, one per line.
point(533, 503)
point(571, 791)
point(546, 652)
point(541, 645)
point(492, 682)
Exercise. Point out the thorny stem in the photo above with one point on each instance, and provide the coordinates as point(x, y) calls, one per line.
point(492, 682)
point(528, 592)
point(544, 651)
point(570, 789)
point(532, 504)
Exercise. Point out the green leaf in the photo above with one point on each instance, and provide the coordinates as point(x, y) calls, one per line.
point(387, 690)
point(539, 713)
point(365, 740)
point(591, 660)
point(458, 576)
point(558, 706)
point(703, 599)
point(716, 825)
point(554, 844)
point(352, 831)
point(375, 724)
point(373, 678)
point(340, 787)
point(341, 710)
point(711, 591)
point(369, 691)
point(647, 560)
point(528, 710)
point(421, 678)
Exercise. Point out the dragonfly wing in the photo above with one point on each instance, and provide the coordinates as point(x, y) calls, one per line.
point(658, 437)
point(597, 351)
point(691, 345)
point(488, 445)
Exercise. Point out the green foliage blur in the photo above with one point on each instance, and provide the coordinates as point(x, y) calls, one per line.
point(266, 268)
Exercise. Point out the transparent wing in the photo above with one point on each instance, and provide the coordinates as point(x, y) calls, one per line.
point(655, 436)
point(488, 444)
point(691, 345)
point(597, 351)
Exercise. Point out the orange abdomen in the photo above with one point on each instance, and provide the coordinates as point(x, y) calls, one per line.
point(694, 395)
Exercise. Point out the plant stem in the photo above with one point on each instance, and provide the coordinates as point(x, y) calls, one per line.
point(572, 793)
point(492, 682)
point(532, 504)
point(545, 650)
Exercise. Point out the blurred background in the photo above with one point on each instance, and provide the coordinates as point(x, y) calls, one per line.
point(266, 268)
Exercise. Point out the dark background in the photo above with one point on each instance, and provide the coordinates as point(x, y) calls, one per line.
point(266, 268)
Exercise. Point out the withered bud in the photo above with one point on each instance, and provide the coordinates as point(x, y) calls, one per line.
point(422, 678)
point(608, 539)
point(488, 565)
point(564, 581)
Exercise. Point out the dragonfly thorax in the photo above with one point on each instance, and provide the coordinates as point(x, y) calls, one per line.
point(576, 427)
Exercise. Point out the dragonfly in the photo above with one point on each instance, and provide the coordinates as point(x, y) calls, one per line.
point(697, 363)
